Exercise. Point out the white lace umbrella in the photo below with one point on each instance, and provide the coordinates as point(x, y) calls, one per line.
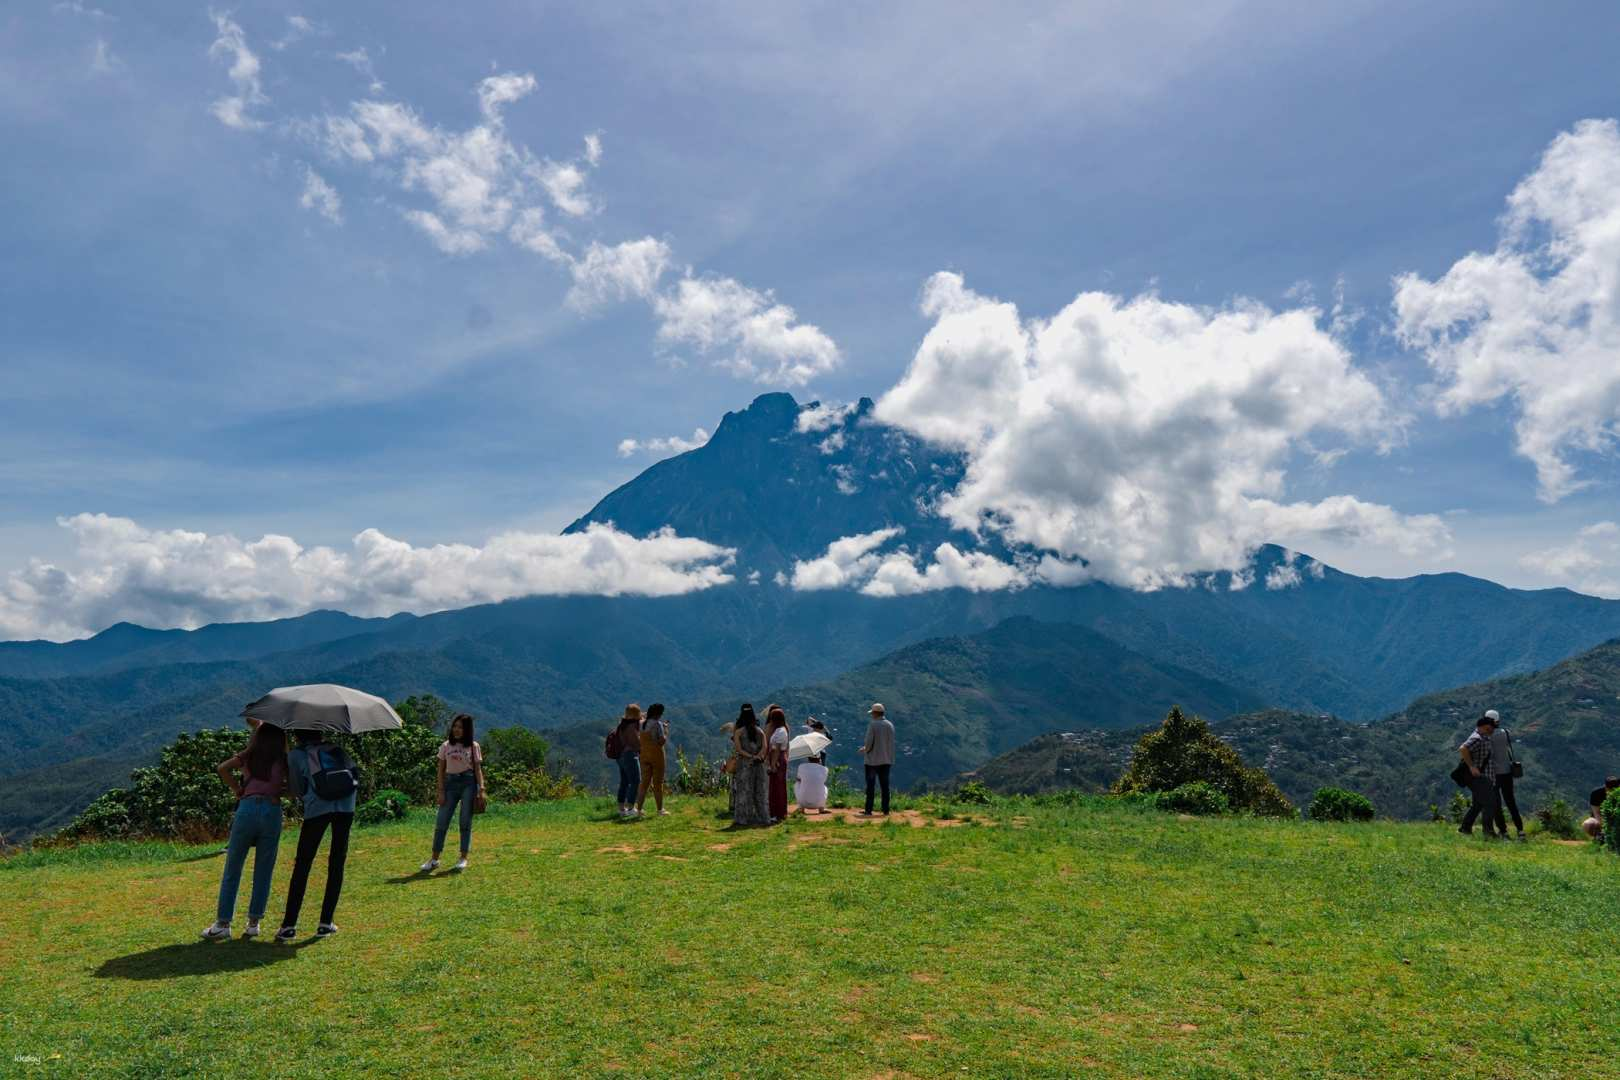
point(807, 745)
point(323, 707)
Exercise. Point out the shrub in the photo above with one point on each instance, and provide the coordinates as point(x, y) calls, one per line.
point(974, 791)
point(1184, 750)
point(699, 776)
point(1558, 819)
point(1336, 804)
point(513, 748)
point(405, 759)
point(1610, 812)
point(1195, 797)
point(1457, 808)
point(386, 805)
point(531, 785)
point(179, 798)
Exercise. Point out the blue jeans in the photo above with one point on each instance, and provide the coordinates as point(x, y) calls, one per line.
point(458, 787)
point(629, 776)
point(257, 825)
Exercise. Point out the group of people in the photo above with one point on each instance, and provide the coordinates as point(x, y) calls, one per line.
point(757, 765)
point(325, 779)
point(1490, 767)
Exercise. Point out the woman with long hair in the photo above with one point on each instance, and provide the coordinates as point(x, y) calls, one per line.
point(749, 805)
point(776, 755)
point(461, 781)
point(654, 734)
point(256, 824)
point(629, 734)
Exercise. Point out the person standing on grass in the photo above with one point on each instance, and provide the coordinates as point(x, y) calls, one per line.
point(654, 734)
point(1502, 761)
point(777, 741)
point(1476, 754)
point(749, 803)
point(320, 772)
point(629, 733)
point(461, 781)
point(256, 824)
point(1593, 825)
point(878, 753)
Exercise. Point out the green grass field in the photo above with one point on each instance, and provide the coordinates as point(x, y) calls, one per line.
point(1033, 940)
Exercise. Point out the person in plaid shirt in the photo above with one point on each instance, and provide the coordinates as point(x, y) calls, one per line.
point(1476, 754)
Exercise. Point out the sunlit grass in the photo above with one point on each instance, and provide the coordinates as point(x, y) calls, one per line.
point(1012, 940)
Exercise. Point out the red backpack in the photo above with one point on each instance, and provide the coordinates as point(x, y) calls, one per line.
point(612, 747)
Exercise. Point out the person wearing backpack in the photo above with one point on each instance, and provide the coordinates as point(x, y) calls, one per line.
point(327, 779)
point(624, 745)
point(256, 825)
point(654, 734)
point(461, 780)
point(1505, 765)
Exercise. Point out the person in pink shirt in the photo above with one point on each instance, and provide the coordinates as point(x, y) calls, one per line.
point(256, 824)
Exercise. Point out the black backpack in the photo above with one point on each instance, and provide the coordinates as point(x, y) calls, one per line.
point(335, 783)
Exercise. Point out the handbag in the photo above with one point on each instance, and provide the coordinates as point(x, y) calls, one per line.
point(1517, 769)
point(1462, 776)
point(480, 803)
point(730, 766)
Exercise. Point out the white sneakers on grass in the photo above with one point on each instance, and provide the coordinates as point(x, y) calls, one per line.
point(252, 930)
point(326, 929)
point(461, 864)
point(220, 931)
point(430, 866)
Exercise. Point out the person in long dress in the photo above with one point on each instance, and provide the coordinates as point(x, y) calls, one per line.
point(749, 805)
point(777, 741)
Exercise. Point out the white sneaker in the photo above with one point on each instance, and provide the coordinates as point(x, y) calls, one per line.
point(663, 813)
point(287, 933)
point(430, 866)
point(326, 929)
point(220, 931)
point(461, 864)
point(252, 930)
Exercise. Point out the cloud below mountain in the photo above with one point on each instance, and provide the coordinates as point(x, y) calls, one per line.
point(178, 578)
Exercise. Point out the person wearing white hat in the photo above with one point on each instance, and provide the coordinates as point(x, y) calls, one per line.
point(1504, 765)
point(878, 753)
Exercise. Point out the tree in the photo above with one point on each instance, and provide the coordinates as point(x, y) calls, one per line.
point(425, 710)
point(1182, 751)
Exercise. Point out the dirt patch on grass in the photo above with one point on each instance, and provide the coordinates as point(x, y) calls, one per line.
point(915, 818)
point(622, 849)
point(719, 847)
point(924, 977)
point(1573, 843)
point(918, 1036)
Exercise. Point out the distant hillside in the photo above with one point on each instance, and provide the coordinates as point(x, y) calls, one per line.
point(1565, 722)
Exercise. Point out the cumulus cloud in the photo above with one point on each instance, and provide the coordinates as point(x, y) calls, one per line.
point(321, 197)
point(235, 110)
point(179, 578)
point(818, 417)
point(1590, 563)
point(618, 272)
point(856, 562)
point(1141, 442)
point(748, 332)
point(668, 444)
point(1537, 321)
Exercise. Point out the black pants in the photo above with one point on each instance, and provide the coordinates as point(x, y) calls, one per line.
point(877, 774)
point(1484, 808)
point(309, 842)
point(1504, 794)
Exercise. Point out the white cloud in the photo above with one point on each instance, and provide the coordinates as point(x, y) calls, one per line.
point(498, 91)
point(564, 183)
point(855, 562)
point(75, 7)
point(669, 444)
point(321, 197)
point(593, 149)
point(1590, 563)
point(103, 61)
point(234, 110)
point(758, 337)
point(1537, 320)
point(1147, 438)
point(180, 578)
point(359, 59)
point(818, 417)
point(298, 28)
point(451, 241)
point(619, 272)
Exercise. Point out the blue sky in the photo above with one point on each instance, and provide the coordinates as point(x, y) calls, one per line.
point(186, 346)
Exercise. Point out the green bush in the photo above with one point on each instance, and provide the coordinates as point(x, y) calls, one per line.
point(405, 759)
point(513, 748)
point(974, 791)
point(1610, 812)
point(531, 785)
point(1457, 808)
point(698, 776)
point(179, 798)
point(1183, 750)
point(386, 805)
point(1558, 819)
point(1195, 797)
point(1336, 804)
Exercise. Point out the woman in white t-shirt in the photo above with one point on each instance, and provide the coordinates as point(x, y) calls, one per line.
point(461, 781)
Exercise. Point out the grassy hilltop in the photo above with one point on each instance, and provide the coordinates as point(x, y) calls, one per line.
point(1032, 939)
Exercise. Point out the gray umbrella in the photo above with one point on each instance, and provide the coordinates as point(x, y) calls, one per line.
point(323, 707)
